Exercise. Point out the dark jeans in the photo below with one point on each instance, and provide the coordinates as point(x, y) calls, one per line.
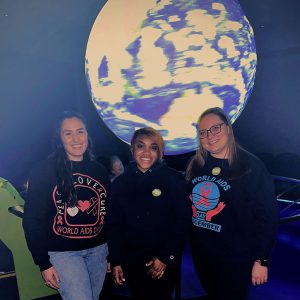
point(143, 287)
point(222, 280)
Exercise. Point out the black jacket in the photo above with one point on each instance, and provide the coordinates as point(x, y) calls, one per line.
point(149, 216)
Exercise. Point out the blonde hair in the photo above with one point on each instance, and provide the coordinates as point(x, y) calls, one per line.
point(201, 154)
point(149, 132)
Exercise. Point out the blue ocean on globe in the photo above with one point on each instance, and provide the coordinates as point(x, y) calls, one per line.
point(178, 59)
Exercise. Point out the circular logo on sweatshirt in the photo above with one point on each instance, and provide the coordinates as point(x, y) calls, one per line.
point(205, 195)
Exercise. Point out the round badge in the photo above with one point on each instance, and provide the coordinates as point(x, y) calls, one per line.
point(72, 211)
point(156, 192)
point(216, 171)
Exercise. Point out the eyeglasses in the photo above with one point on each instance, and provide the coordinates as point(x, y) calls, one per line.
point(215, 129)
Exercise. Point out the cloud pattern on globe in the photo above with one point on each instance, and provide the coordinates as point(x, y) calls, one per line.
point(162, 63)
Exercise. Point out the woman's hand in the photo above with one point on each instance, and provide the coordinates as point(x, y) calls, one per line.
point(118, 275)
point(259, 274)
point(51, 278)
point(157, 269)
point(214, 211)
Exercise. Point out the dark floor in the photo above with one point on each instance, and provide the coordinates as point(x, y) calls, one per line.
point(284, 279)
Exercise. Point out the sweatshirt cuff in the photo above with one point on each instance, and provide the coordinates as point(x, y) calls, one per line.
point(45, 266)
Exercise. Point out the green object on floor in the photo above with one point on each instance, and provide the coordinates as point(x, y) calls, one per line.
point(29, 279)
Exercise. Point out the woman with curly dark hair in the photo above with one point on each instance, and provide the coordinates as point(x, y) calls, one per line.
point(148, 220)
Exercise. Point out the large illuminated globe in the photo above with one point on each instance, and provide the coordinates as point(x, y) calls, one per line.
point(162, 63)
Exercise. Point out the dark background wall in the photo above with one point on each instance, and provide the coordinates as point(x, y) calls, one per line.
point(42, 52)
point(270, 122)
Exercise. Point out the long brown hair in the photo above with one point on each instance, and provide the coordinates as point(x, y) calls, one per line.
point(63, 164)
point(198, 160)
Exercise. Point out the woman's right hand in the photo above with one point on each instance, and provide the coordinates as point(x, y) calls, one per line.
point(157, 268)
point(118, 275)
point(51, 278)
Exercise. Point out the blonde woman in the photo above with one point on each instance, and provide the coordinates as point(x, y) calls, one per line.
point(235, 215)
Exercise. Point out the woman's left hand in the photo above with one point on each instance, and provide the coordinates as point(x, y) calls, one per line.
point(157, 269)
point(259, 274)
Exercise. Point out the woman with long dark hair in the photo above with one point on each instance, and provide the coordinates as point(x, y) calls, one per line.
point(235, 214)
point(64, 213)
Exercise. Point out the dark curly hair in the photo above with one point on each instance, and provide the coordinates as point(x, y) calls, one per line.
point(149, 132)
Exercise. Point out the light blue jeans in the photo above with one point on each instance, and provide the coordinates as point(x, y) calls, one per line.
point(81, 272)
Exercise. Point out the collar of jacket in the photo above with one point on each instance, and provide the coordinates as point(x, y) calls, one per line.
point(133, 168)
